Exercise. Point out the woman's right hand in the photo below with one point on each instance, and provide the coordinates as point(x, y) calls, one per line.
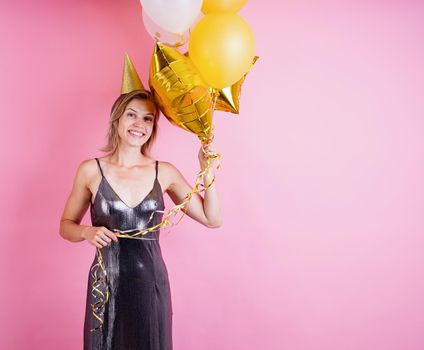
point(99, 236)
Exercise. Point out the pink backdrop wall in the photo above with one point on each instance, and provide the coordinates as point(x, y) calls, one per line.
point(320, 182)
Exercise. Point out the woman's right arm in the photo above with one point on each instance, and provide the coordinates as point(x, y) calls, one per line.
point(75, 209)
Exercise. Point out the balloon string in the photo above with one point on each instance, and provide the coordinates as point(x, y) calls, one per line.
point(98, 271)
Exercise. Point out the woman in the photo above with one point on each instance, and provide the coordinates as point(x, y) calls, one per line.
point(125, 190)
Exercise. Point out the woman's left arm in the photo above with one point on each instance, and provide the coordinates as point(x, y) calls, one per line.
point(206, 209)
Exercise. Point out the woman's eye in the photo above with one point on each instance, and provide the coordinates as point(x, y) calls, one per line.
point(148, 119)
point(131, 114)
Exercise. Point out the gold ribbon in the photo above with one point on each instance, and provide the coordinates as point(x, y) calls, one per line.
point(98, 272)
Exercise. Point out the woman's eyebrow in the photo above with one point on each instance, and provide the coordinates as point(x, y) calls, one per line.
point(149, 113)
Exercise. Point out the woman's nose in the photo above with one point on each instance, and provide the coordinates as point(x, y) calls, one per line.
point(139, 121)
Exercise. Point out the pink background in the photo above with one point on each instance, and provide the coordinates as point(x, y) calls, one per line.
point(321, 179)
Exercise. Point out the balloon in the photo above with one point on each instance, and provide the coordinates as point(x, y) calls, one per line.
point(183, 97)
point(222, 47)
point(229, 97)
point(175, 16)
point(222, 6)
point(162, 35)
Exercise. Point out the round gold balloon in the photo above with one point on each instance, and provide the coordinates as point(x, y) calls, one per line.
point(183, 96)
point(222, 48)
point(209, 6)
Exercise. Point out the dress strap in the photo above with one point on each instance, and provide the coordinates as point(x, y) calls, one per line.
point(101, 171)
point(156, 170)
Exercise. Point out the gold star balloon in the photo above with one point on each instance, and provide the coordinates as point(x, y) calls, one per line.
point(229, 97)
point(183, 96)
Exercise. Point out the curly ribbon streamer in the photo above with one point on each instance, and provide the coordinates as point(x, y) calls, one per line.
point(98, 270)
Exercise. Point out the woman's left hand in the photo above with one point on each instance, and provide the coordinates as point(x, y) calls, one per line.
point(203, 156)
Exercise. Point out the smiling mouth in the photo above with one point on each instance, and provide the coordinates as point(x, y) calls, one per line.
point(136, 133)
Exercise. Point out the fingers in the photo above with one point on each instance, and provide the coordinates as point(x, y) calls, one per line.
point(207, 149)
point(210, 147)
point(103, 237)
point(111, 234)
point(98, 245)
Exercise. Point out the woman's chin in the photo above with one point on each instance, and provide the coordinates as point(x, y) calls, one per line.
point(133, 143)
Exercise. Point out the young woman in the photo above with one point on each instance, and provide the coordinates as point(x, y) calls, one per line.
point(125, 191)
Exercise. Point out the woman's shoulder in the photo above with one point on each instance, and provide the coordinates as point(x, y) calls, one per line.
point(88, 164)
point(166, 166)
point(87, 171)
point(88, 167)
point(168, 174)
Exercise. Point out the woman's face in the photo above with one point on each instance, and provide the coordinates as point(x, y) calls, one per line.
point(136, 123)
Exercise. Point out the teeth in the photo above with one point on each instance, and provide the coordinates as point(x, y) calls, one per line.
point(136, 133)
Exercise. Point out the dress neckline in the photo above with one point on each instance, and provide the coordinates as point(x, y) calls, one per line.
point(116, 193)
point(119, 197)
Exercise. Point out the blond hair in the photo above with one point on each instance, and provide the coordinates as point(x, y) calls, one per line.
point(117, 111)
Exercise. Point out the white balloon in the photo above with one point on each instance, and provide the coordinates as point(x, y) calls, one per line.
point(175, 16)
point(162, 35)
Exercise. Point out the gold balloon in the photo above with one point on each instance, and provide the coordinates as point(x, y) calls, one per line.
point(183, 96)
point(229, 97)
point(234, 6)
point(222, 47)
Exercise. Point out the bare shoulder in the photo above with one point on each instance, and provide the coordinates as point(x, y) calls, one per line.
point(169, 169)
point(86, 171)
point(166, 167)
point(87, 166)
point(168, 174)
point(79, 198)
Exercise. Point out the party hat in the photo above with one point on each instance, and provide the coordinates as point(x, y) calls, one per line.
point(130, 79)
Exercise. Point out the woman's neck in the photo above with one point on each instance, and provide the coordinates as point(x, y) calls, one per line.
point(128, 156)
